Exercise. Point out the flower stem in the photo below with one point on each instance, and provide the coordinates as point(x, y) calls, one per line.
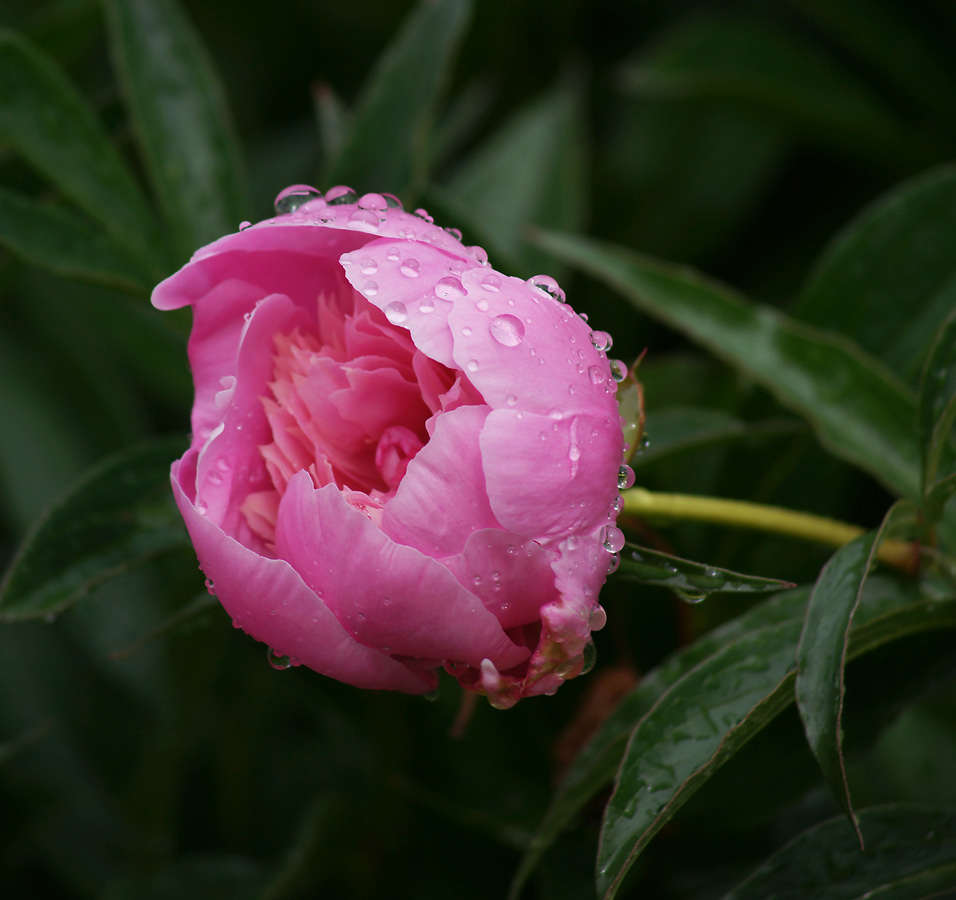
point(807, 526)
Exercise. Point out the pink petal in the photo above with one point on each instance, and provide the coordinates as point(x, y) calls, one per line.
point(548, 477)
point(442, 498)
point(269, 601)
point(384, 594)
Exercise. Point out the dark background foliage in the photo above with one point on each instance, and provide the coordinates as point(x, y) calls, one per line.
point(147, 750)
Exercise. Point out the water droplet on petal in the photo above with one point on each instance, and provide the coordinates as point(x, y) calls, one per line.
point(423, 214)
point(375, 202)
point(426, 305)
point(574, 452)
point(507, 330)
point(277, 660)
point(410, 268)
point(590, 657)
point(625, 477)
point(340, 195)
point(449, 288)
point(601, 340)
point(598, 619)
point(392, 254)
point(613, 539)
point(370, 288)
point(480, 254)
point(618, 370)
point(368, 265)
point(454, 232)
point(202, 507)
point(618, 504)
point(291, 198)
point(547, 284)
point(244, 225)
point(491, 283)
point(597, 374)
point(511, 400)
point(364, 219)
point(396, 312)
point(614, 564)
point(472, 365)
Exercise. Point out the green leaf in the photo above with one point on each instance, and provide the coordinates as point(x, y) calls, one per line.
point(594, 767)
point(181, 120)
point(680, 429)
point(45, 119)
point(889, 278)
point(861, 412)
point(57, 240)
point(711, 713)
point(693, 729)
point(691, 581)
point(910, 855)
point(528, 172)
point(386, 148)
point(120, 514)
point(821, 656)
point(937, 412)
point(778, 74)
point(196, 878)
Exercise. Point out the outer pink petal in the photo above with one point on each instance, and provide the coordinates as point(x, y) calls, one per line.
point(513, 577)
point(384, 594)
point(442, 499)
point(269, 600)
point(548, 478)
point(230, 464)
point(400, 279)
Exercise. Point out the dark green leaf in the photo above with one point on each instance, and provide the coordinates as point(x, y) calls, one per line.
point(692, 581)
point(60, 241)
point(710, 714)
point(679, 429)
point(197, 878)
point(387, 145)
point(910, 853)
point(862, 413)
point(693, 729)
point(777, 74)
point(181, 120)
point(120, 514)
point(889, 278)
point(44, 118)
point(529, 172)
point(821, 657)
point(937, 412)
point(596, 764)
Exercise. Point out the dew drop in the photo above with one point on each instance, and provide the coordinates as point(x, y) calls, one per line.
point(598, 619)
point(597, 374)
point(423, 214)
point(615, 563)
point(277, 660)
point(482, 305)
point(618, 370)
point(601, 340)
point(491, 283)
point(466, 330)
point(625, 477)
point(244, 225)
point(392, 254)
point(449, 288)
point(590, 657)
point(364, 219)
point(370, 288)
point(210, 587)
point(454, 668)
point(480, 254)
point(454, 232)
point(426, 305)
point(507, 330)
point(472, 365)
point(547, 284)
point(396, 312)
point(432, 696)
point(340, 195)
point(202, 507)
point(613, 539)
point(375, 202)
point(291, 198)
point(511, 400)
point(411, 268)
point(691, 595)
point(617, 505)
point(574, 453)
point(368, 265)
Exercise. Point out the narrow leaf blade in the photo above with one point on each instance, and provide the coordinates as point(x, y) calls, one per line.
point(910, 849)
point(937, 412)
point(691, 580)
point(49, 123)
point(181, 120)
point(386, 146)
point(861, 412)
point(61, 242)
point(120, 514)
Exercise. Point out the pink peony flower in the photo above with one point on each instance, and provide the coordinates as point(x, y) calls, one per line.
point(401, 459)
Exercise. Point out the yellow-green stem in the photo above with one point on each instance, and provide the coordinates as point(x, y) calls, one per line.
point(647, 504)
